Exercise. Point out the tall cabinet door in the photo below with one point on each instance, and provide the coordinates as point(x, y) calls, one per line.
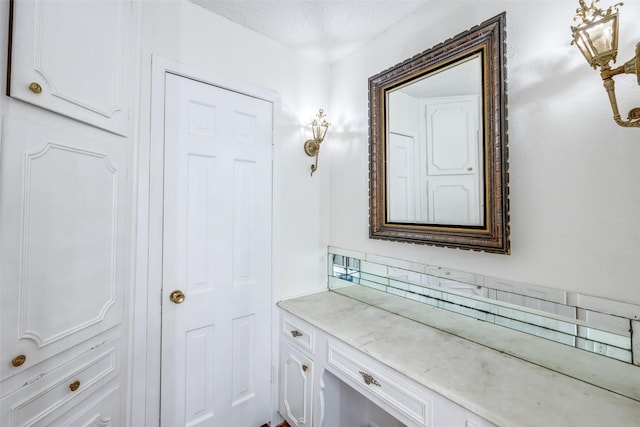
point(71, 57)
point(63, 225)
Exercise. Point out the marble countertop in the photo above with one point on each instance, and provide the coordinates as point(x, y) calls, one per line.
point(503, 389)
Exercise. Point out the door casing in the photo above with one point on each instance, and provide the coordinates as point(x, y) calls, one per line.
point(146, 337)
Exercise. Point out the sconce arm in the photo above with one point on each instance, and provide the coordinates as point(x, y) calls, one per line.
point(630, 67)
point(633, 119)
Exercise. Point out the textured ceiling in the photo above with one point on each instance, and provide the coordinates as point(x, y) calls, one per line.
point(326, 29)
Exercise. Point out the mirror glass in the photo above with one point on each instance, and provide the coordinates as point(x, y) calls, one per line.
point(438, 158)
point(434, 147)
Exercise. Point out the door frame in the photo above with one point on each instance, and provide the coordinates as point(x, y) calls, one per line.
point(145, 343)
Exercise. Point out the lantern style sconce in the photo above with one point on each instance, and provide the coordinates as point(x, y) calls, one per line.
point(597, 38)
point(319, 127)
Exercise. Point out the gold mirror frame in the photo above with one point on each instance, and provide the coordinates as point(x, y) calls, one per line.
point(488, 39)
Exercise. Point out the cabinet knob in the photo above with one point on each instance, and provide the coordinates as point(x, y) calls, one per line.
point(296, 334)
point(304, 368)
point(19, 360)
point(74, 385)
point(35, 87)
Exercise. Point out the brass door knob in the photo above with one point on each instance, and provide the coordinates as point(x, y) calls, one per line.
point(35, 87)
point(19, 360)
point(176, 296)
point(74, 385)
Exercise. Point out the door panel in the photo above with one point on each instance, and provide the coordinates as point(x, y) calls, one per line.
point(216, 357)
point(63, 206)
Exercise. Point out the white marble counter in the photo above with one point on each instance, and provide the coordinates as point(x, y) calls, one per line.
point(505, 390)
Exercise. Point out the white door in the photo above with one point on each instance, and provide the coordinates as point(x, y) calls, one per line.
point(401, 192)
point(216, 345)
point(453, 173)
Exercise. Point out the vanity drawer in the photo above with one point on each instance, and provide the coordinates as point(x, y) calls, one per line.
point(42, 397)
point(387, 388)
point(299, 333)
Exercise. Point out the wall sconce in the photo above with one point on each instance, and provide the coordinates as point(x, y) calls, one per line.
point(597, 38)
point(319, 127)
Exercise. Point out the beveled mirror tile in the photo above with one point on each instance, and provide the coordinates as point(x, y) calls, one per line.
point(604, 337)
point(615, 323)
point(406, 275)
point(520, 288)
point(374, 268)
point(398, 284)
point(635, 341)
point(346, 252)
point(395, 291)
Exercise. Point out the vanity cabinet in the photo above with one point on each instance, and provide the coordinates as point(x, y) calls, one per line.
point(328, 383)
point(296, 386)
point(72, 58)
point(296, 372)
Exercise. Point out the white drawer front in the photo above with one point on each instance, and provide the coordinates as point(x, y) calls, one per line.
point(373, 379)
point(30, 405)
point(299, 333)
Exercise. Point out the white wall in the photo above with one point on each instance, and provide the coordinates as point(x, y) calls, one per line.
point(574, 175)
point(180, 31)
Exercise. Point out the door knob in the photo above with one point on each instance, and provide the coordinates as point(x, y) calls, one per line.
point(177, 297)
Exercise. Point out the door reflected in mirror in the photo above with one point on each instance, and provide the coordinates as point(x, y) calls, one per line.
point(435, 147)
point(438, 158)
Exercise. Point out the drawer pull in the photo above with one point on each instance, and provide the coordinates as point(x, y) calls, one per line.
point(304, 368)
point(19, 360)
point(74, 385)
point(368, 379)
point(296, 334)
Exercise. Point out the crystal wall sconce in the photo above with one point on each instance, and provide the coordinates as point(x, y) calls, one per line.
point(319, 128)
point(597, 38)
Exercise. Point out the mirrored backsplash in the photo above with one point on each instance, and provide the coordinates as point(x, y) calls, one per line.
point(595, 325)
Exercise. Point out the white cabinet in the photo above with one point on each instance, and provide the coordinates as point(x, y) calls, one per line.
point(63, 224)
point(296, 386)
point(72, 57)
point(328, 383)
point(296, 371)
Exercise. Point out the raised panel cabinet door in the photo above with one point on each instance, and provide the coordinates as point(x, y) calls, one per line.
point(62, 252)
point(296, 387)
point(73, 58)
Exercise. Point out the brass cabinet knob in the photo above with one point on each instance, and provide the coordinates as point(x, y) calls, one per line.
point(19, 360)
point(35, 87)
point(74, 385)
point(177, 297)
point(296, 334)
point(304, 368)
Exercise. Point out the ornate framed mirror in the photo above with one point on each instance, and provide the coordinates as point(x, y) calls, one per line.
point(438, 163)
